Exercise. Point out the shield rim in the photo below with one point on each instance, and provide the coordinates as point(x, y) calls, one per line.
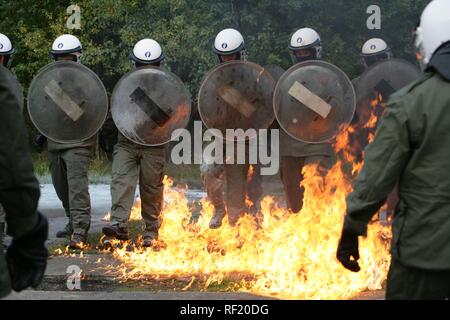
point(372, 67)
point(113, 94)
point(208, 75)
point(50, 65)
point(298, 66)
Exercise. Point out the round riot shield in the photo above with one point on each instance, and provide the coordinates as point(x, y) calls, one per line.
point(314, 101)
point(15, 87)
point(148, 104)
point(237, 95)
point(67, 102)
point(275, 71)
point(377, 83)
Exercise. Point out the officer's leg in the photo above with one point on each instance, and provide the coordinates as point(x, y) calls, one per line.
point(151, 187)
point(77, 162)
point(125, 169)
point(213, 182)
point(291, 176)
point(405, 283)
point(58, 172)
point(236, 177)
point(254, 188)
point(324, 163)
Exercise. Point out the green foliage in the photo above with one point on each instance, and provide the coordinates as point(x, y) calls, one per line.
point(186, 29)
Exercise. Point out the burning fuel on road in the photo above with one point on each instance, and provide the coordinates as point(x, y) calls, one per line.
point(288, 256)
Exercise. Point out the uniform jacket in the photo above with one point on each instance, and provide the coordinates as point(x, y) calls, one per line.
point(19, 188)
point(412, 145)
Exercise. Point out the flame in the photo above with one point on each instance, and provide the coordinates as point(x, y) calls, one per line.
point(289, 256)
point(419, 56)
point(135, 213)
point(251, 171)
point(374, 117)
point(107, 217)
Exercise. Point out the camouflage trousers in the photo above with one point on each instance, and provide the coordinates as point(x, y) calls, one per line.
point(214, 184)
point(69, 171)
point(241, 185)
point(407, 283)
point(131, 163)
point(291, 176)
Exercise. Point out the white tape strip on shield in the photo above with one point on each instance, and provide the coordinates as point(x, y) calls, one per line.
point(310, 99)
point(236, 100)
point(62, 100)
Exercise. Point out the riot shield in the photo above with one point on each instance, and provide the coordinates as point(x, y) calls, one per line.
point(275, 71)
point(148, 104)
point(377, 83)
point(314, 101)
point(237, 95)
point(67, 102)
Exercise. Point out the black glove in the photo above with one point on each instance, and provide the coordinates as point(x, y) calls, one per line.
point(39, 141)
point(27, 257)
point(348, 249)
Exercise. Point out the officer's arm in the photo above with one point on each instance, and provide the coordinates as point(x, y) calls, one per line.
point(385, 160)
point(19, 188)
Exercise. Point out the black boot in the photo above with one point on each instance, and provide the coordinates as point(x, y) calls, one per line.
point(149, 239)
point(216, 220)
point(78, 241)
point(113, 230)
point(66, 232)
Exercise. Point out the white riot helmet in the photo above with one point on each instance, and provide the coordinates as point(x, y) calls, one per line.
point(228, 42)
point(375, 50)
point(305, 45)
point(146, 52)
point(6, 50)
point(433, 30)
point(67, 45)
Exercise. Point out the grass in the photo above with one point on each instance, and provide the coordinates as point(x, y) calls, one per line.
point(100, 171)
